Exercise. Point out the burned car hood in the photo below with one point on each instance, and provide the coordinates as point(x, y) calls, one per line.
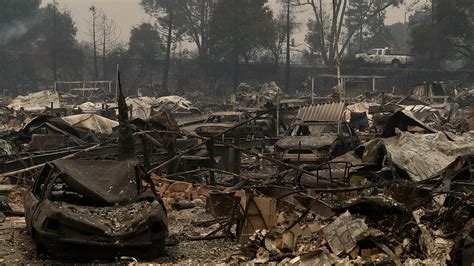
point(113, 221)
point(213, 127)
point(311, 142)
point(106, 182)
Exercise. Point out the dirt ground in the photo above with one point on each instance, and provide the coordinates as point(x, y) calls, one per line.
point(16, 245)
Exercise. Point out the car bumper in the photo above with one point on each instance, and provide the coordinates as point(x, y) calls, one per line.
point(86, 250)
point(304, 158)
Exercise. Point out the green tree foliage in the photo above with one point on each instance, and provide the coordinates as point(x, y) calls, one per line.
point(278, 33)
point(60, 44)
point(190, 22)
point(145, 48)
point(355, 22)
point(325, 31)
point(33, 42)
point(240, 28)
point(191, 19)
point(18, 29)
point(168, 14)
point(448, 33)
point(17, 19)
point(378, 33)
point(397, 31)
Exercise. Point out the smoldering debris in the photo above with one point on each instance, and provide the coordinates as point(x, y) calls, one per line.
point(361, 181)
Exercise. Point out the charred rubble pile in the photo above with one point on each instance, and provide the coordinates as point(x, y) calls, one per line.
point(403, 197)
point(385, 181)
point(387, 207)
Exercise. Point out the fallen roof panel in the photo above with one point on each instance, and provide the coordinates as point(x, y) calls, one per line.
point(321, 112)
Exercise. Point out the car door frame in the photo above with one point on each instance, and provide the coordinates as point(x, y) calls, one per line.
point(36, 194)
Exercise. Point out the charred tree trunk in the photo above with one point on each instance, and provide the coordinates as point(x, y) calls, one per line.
point(236, 51)
point(94, 42)
point(104, 48)
point(126, 149)
point(53, 54)
point(288, 54)
point(168, 52)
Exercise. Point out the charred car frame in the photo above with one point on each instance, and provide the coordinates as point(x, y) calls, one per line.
point(308, 142)
point(222, 121)
point(83, 210)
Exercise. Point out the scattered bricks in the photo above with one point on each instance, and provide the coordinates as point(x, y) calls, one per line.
point(163, 188)
point(314, 227)
point(168, 202)
point(179, 187)
point(365, 253)
point(194, 195)
point(204, 191)
point(289, 241)
point(354, 253)
point(471, 117)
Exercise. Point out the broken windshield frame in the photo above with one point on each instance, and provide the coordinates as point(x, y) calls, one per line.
point(216, 119)
point(312, 128)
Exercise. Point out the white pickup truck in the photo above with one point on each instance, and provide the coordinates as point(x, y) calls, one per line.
point(383, 56)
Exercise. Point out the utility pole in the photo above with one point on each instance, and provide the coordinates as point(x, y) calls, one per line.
point(433, 41)
point(405, 33)
point(94, 39)
point(55, 72)
point(288, 62)
point(104, 23)
point(236, 52)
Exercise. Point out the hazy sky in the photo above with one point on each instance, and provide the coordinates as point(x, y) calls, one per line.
point(128, 13)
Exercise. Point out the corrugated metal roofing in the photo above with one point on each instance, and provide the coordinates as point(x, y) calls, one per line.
point(321, 112)
point(425, 155)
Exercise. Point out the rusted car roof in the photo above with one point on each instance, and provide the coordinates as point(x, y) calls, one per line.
point(307, 141)
point(227, 113)
point(321, 112)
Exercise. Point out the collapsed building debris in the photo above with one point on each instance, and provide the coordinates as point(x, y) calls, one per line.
point(386, 181)
point(92, 122)
point(49, 133)
point(38, 101)
point(144, 107)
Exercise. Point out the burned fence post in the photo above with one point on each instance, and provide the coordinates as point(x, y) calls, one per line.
point(146, 152)
point(236, 159)
point(261, 161)
point(212, 162)
point(126, 149)
point(471, 117)
point(299, 152)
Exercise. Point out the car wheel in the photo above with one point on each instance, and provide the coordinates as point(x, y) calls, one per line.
point(40, 248)
point(396, 63)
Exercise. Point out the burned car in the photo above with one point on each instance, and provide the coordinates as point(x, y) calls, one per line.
point(79, 209)
point(222, 121)
point(316, 141)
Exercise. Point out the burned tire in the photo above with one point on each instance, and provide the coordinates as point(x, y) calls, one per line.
point(40, 248)
point(360, 62)
point(396, 63)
